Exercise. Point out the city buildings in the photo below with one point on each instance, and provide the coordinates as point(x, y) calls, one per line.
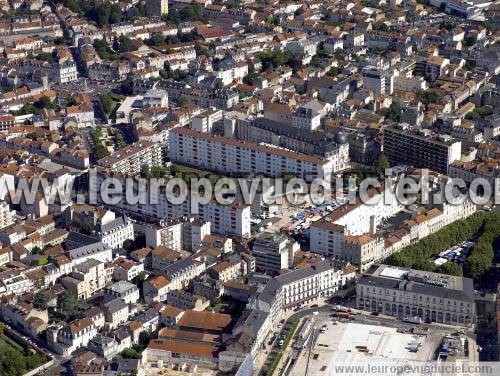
point(250, 91)
point(156, 8)
point(405, 292)
point(131, 159)
point(274, 253)
point(221, 154)
point(420, 148)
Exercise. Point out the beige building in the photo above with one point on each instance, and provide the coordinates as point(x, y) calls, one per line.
point(362, 250)
point(87, 278)
point(156, 8)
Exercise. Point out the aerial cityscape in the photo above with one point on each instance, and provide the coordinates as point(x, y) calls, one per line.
point(249, 187)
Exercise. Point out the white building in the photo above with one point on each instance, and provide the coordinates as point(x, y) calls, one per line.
point(300, 287)
point(124, 290)
point(14, 282)
point(7, 216)
point(155, 98)
point(376, 80)
point(64, 340)
point(114, 233)
point(231, 219)
point(306, 118)
point(406, 292)
point(87, 279)
point(130, 159)
point(97, 251)
point(156, 289)
point(126, 270)
point(216, 153)
point(205, 121)
point(116, 312)
point(274, 253)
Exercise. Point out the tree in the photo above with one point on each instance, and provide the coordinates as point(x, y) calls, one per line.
point(103, 50)
point(470, 40)
point(127, 86)
point(156, 39)
point(130, 353)
point(158, 172)
point(125, 44)
point(450, 268)
point(144, 338)
point(145, 172)
point(383, 27)
point(427, 96)
point(44, 102)
point(334, 71)
point(381, 164)
point(417, 256)
point(128, 245)
point(395, 111)
point(119, 139)
point(36, 250)
point(182, 101)
point(73, 5)
point(42, 299)
point(115, 14)
point(87, 228)
point(68, 304)
point(108, 104)
point(45, 56)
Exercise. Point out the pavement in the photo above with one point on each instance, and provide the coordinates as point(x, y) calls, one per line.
point(326, 308)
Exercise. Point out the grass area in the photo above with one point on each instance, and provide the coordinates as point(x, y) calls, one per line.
point(279, 354)
point(15, 359)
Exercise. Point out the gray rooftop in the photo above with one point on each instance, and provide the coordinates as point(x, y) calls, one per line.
point(87, 250)
point(115, 305)
point(420, 282)
point(121, 287)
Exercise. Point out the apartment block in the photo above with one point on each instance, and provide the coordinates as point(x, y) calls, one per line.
point(420, 148)
point(231, 219)
point(130, 159)
point(274, 253)
point(87, 279)
point(220, 154)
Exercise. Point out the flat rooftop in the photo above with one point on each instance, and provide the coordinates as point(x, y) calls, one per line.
point(337, 346)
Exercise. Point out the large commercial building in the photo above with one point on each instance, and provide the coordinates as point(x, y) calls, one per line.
point(221, 154)
point(406, 292)
point(420, 148)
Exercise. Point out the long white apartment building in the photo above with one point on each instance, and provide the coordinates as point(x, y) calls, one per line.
point(342, 236)
point(291, 290)
point(232, 219)
point(365, 214)
point(361, 217)
point(130, 159)
point(216, 153)
point(299, 287)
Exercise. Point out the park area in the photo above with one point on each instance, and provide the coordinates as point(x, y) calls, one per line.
point(16, 359)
